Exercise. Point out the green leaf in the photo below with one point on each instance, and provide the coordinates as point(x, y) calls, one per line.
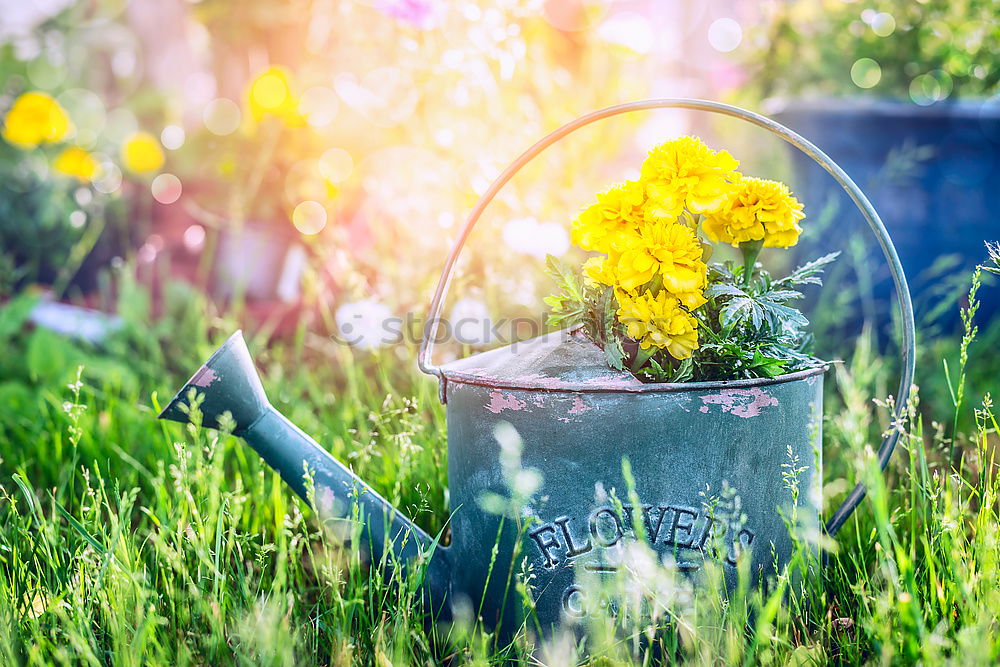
point(614, 353)
point(565, 276)
point(609, 308)
point(722, 289)
point(809, 273)
point(782, 315)
point(684, 371)
point(737, 310)
point(15, 314)
point(765, 366)
point(569, 306)
point(781, 295)
point(994, 250)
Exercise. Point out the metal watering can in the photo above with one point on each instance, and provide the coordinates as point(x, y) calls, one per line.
point(578, 420)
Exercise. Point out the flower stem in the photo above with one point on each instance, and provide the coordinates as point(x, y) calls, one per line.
point(750, 250)
point(641, 357)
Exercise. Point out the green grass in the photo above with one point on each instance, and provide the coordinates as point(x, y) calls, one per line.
point(125, 540)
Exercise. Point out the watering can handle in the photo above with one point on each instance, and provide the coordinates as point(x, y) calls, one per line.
point(857, 196)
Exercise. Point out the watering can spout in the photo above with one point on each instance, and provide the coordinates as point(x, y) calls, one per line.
point(229, 383)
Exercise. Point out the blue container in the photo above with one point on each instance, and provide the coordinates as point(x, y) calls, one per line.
point(578, 421)
point(932, 173)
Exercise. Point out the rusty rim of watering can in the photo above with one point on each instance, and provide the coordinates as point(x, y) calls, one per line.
point(616, 386)
point(837, 519)
point(591, 360)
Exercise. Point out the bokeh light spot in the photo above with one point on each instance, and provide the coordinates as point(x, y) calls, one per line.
point(319, 105)
point(309, 217)
point(629, 30)
point(444, 137)
point(147, 253)
point(194, 238)
point(336, 165)
point(45, 74)
point(725, 35)
point(83, 196)
point(200, 88)
point(153, 245)
point(883, 24)
point(931, 87)
point(172, 137)
point(166, 188)
point(531, 237)
point(110, 179)
point(222, 116)
point(120, 124)
point(77, 218)
point(866, 73)
point(269, 91)
point(363, 324)
point(88, 113)
point(124, 64)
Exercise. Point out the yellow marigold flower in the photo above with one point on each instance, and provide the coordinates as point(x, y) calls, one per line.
point(141, 152)
point(75, 161)
point(658, 322)
point(684, 172)
point(671, 251)
point(599, 271)
point(270, 93)
point(35, 118)
point(617, 210)
point(758, 210)
point(692, 299)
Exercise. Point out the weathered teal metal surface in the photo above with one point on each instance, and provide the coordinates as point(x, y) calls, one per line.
point(578, 420)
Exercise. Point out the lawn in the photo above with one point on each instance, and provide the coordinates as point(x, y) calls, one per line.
point(129, 540)
point(299, 169)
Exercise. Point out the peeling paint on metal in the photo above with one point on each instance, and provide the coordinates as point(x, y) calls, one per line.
point(740, 402)
point(579, 406)
point(500, 402)
point(204, 377)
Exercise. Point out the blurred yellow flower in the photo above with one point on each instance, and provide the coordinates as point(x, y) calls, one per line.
point(141, 152)
point(75, 161)
point(658, 322)
point(270, 93)
point(684, 172)
point(758, 210)
point(35, 118)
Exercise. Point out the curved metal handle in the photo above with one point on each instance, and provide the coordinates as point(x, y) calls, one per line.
point(857, 196)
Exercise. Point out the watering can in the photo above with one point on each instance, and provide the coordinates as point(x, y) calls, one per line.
point(579, 421)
